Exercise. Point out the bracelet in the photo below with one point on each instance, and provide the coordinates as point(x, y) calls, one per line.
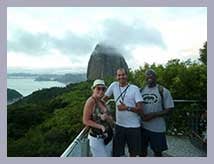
point(129, 109)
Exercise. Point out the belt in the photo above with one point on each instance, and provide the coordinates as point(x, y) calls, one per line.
point(97, 135)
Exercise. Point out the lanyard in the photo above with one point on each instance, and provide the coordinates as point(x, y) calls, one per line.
point(123, 94)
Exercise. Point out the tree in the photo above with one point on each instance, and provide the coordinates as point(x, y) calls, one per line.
point(203, 54)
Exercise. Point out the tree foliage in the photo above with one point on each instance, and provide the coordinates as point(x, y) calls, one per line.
point(203, 54)
point(46, 129)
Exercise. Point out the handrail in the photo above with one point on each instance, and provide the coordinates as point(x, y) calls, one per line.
point(176, 100)
point(190, 101)
point(75, 142)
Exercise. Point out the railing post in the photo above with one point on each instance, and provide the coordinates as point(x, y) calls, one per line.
point(85, 147)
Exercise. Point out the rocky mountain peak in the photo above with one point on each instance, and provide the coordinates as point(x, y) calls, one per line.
point(104, 62)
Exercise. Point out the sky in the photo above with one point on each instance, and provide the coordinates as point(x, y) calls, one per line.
point(62, 39)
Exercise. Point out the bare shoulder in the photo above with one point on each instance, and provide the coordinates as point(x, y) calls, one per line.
point(90, 101)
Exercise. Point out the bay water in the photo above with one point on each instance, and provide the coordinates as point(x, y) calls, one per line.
point(26, 86)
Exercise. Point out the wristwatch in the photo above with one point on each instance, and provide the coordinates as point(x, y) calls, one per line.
point(129, 109)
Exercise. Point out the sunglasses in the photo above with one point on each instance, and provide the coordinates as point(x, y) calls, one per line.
point(101, 88)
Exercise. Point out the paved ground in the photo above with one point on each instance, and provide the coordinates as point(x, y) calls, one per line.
point(181, 147)
point(178, 147)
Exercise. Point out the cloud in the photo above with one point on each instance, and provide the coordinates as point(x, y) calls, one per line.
point(113, 32)
point(29, 43)
point(133, 34)
point(43, 43)
point(74, 44)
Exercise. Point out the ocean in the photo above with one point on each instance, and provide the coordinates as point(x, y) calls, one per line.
point(26, 86)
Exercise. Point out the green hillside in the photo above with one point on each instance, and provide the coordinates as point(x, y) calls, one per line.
point(44, 123)
point(12, 95)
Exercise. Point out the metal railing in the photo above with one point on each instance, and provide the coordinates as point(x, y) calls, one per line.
point(80, 146)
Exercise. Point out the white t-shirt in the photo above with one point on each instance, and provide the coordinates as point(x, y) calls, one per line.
point(152, 103)
point(130, 97)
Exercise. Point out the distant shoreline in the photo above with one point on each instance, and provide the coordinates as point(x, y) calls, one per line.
point(62, 78)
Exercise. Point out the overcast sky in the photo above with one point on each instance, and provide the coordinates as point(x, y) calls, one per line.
point(63, 38)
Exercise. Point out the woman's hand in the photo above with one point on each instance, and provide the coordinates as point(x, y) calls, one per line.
point(104, 116)
point(102, 128)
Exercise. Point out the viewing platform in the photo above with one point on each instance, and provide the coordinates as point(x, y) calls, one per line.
point(179, 145)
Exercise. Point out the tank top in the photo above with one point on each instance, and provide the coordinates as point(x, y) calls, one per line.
point(96, 118)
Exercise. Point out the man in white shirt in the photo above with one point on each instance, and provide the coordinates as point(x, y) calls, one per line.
point(128, 123)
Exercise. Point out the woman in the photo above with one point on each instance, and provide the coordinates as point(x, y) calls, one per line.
point(97, 117)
